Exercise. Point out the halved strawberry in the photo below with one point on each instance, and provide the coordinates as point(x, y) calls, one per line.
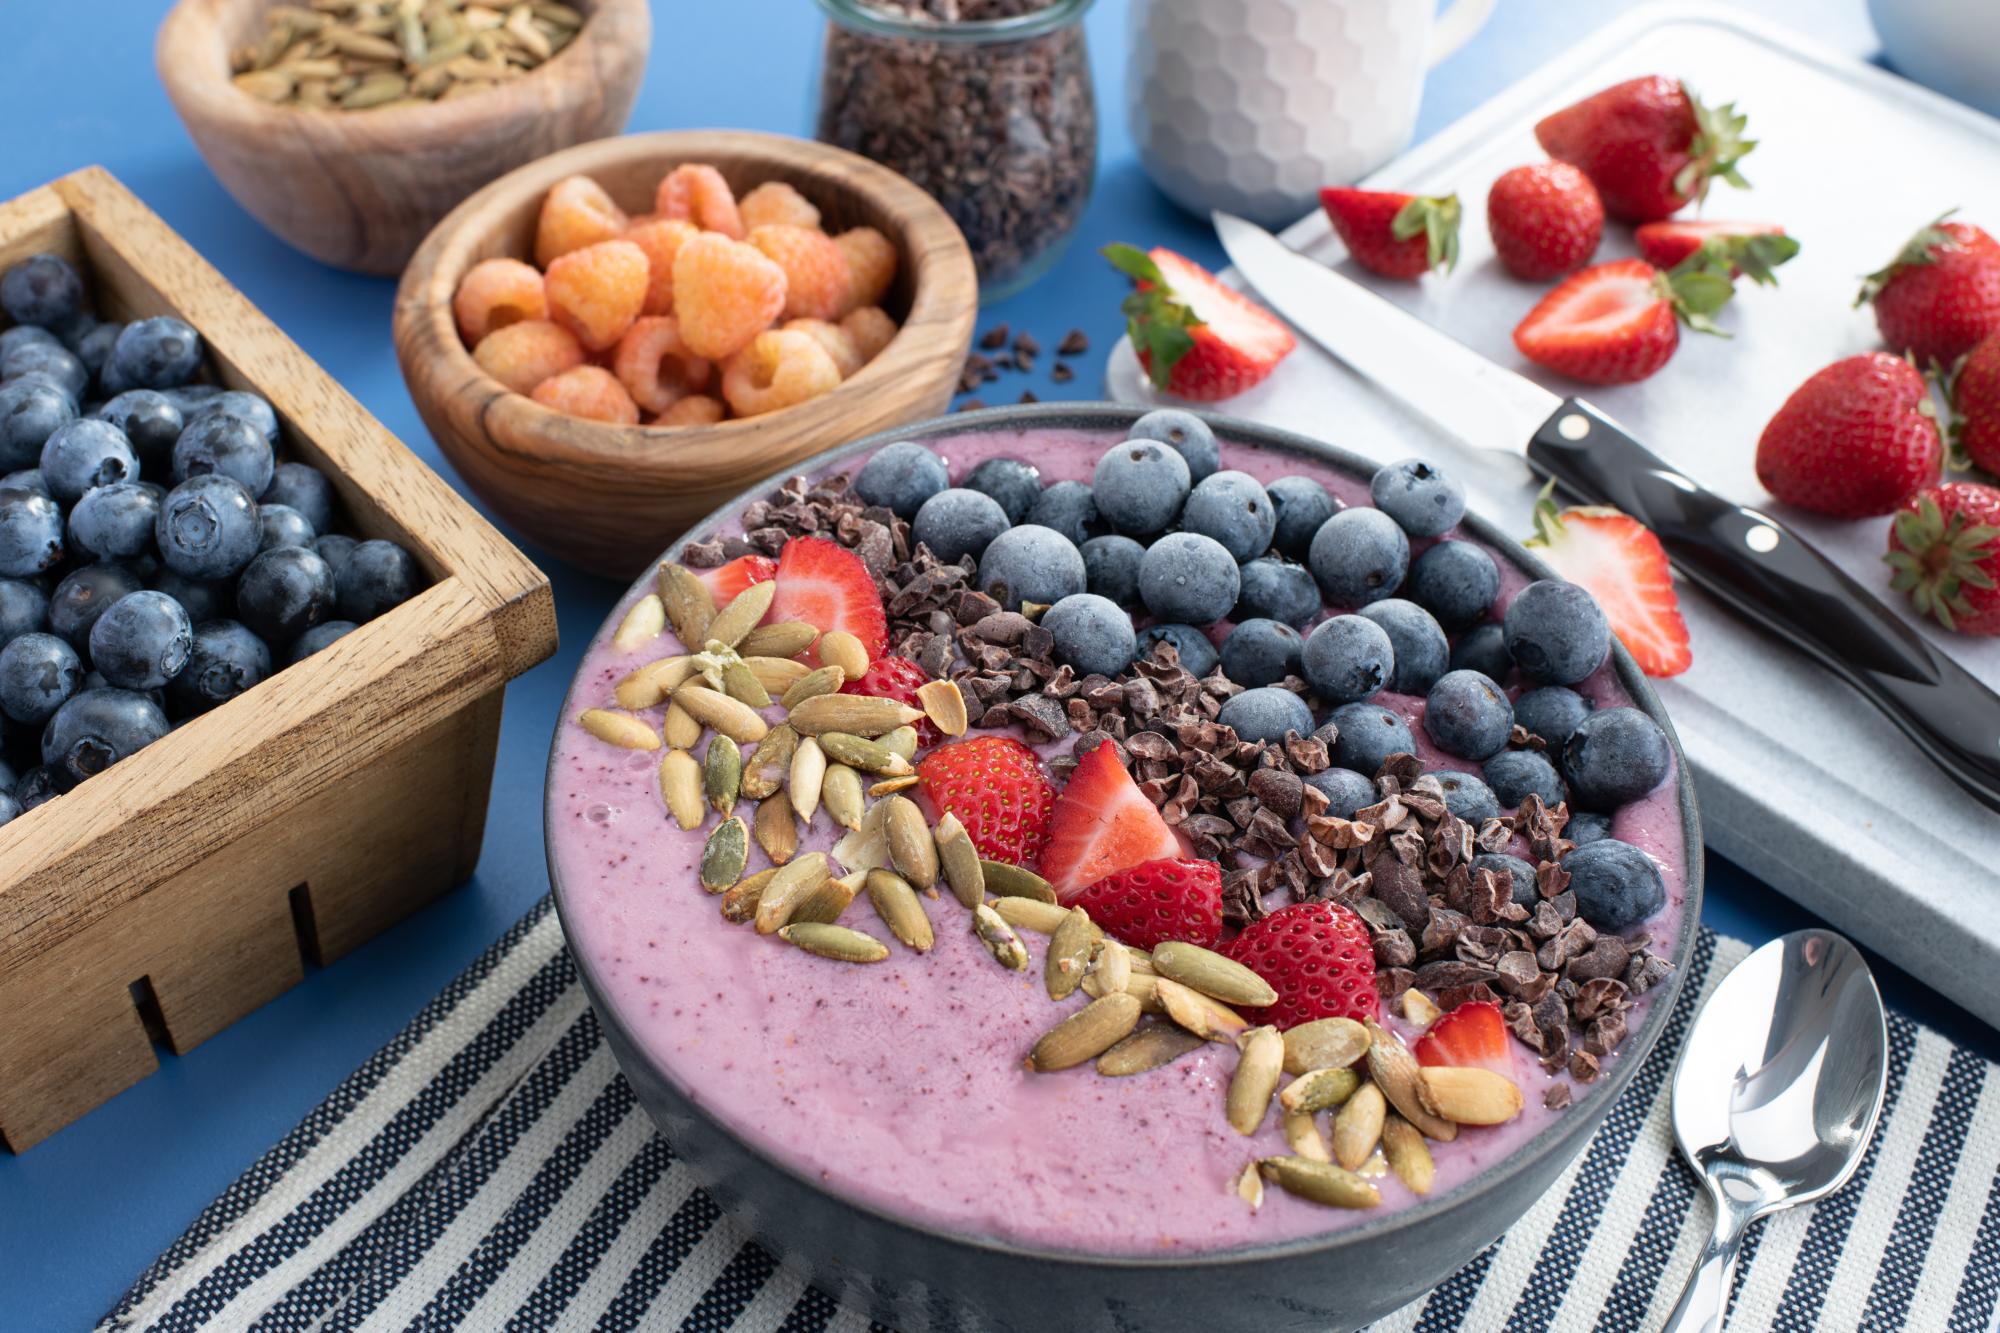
point(1622, 564)
point(1102, 823)
point(996, 787)
point(892, 677)
point(825, 585)
point(725, 581)
point(1173, 898)
point(1396, 235)
point(1751, 248)
point(1196, 338)
point(1317, 956)
point(1472, 1036)
point(1619, 322)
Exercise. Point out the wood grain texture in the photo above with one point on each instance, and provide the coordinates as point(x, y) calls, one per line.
point(360, 189)
point(608, 498)
point(362, 772)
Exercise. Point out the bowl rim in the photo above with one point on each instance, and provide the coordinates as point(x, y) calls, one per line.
point(1588, 1108)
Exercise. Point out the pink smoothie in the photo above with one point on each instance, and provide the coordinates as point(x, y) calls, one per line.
point(900, 1085)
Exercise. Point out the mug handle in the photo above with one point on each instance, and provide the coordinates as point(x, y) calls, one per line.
point(1455, 27)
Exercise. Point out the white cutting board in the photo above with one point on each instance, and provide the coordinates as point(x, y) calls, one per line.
point(1800, 780)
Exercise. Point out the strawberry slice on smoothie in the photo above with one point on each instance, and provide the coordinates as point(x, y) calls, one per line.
point(825, 585)
point(1102, 823)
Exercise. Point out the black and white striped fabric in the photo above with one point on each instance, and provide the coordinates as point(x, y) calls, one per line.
point(490, 1169)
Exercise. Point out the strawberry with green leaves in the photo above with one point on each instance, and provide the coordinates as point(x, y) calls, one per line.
point(1649, 145)
point(1197, 339)
point(1396, 235)
point(1621, 563)
point(1944, 551)
point(1940, 295)
point(1619, 322)
point(1748, 249)
point(1858, 438)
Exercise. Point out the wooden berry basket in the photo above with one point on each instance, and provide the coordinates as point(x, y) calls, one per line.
point(182, 888)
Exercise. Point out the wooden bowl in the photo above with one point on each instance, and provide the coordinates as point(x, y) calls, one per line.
point(360, 189)
point(605, 497)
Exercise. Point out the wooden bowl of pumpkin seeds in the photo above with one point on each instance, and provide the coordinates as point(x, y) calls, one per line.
point(350, 127)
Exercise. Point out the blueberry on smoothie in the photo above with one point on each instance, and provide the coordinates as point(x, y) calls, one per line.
point(302, 487)
point(285, 592)
point(282, 525)
point(42, 289)
point(38, 674)
point(114, 522)
point(83, 454)
point(1346, 791)
point(1516, 774)
point(1140, 487)
point(1422, 499)
point(85, 594)
point(1616, 885)
point(141, 641)
point(1520, 874)
point(1359, 556)
point(1555, 632)
point(208, 527)
point(1467, 797)
point(97, 728)
point(31, 410)
point(228, 445)
point(1031, 563)
point(157, 353)
point(1347, 659)
point(1266, 714)
point(1111, 568)
point(31, 534)
point(1614, 756)
point(900, 477)
point(1552, 712)
point(1483, 648)
point(1067, 507)
point(1183, 432)
point(1369, 735)
point(1232, 508)
point(1189, 578)
point(1454, 581)
point(1301, 505)
point(151, 424)
point(1093, 634)
point(1586, 827)
point(1274, 588)
point(225, 660)
point(957, 522)
point(1261, 652)
point(1467, 715)
point(1422, 651)
point(1015, 484)
point(1197, 652)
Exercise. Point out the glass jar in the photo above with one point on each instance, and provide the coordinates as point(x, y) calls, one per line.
point(984, 104)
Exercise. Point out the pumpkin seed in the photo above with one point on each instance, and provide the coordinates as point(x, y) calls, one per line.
point(1320, 1182)
point(1029, 913)
point(767, 766)
point(912, 849)
point(902, 741)
point(1255, 1080)
point(1357, 1127)
point(890, 786)
point(836, 942)
point(1396, 1071)
point(1409, 1156)
point(737, 619)
point(1143, 986)
point(641, 625)
point(999, 938)
point(1085, 1034)
point(724, 855)
point(1419, 1008)
point(739, 901)
point(1210, 973)
point(830, 900)
point(620, 729)
point(1470, 1095)
point(777, 831)
point(1068, 954)
point(776, 674)
point(807, 778)
point(866, 845)
point(1003, 880)
point(1113, 967)
point(1302, 1135)
point(648, 686)
point(1200, 1014)
point(840, 790)
point(900, 909)
point(267, 85)
point(712, 708)
point(1319, 1089)
point(1151, 1047)
point(687, 602)
point(839, 648)
point(866, 755)
point(1249, 1186)
point(787, 638)
point(963, 869)
point(818, 682)
point(855, 714)
point(1324, 1043)
point(681, 788)
point(944, 705)
point(792, 885)
point(722, 774)
point(742, 685)
point(679, 728)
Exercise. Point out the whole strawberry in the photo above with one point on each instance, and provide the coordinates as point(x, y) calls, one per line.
point(1649, 146)
point(1396, 235)
point(1858, 438)
point(1196, 338)
point(891, 677)
point(1618, 323)
point(1545, 220)
point(1173, 898)
point(1317, 956)
point(1941, 293)
point(1975, 405)
point(996, 787)
point(1944, 546)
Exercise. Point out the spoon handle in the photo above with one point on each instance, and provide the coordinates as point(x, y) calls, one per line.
point(1705, 1299)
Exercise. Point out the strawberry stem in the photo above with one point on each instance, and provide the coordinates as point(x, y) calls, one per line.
point(1716, 149)
point(1156, 320)
point(1917, 250)
point(1437, 220)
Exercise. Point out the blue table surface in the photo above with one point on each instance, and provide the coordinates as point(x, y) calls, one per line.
point(84, 1212)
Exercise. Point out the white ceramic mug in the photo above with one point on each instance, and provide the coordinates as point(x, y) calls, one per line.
point(1950, 45)
point(1253, 105)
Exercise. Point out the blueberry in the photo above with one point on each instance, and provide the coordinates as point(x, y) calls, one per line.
point(1483, 648)
point(157, 353)
point(1516, 774)
point(1552, 712)
point(334, 548)
point(227, 445)
point(85, 594)
point(31, 410)
point(1183, 432)
point(40, 785)
point(1467, 797)
point(1140, 486)
point(376, 577)
point(957, 522)
point(226, 660)
point(282, 525)
point(1093, 634)
point(1467, 715)
point(189, 399)
point(318, 637)
point(42, 289)
point(97, 728)
point(1454, 581)
point(1197, 653)
point(1616, 885)
point(251, 408)
point(1301, 505)
point(1614, 756)
point(1369, 735)
point(31, 534)
point(901, 477)
point(1189, 578)
point(1520, 876)
point(151, 424)
point(84, 454)
point(1232, 508)
point(1031, 563)
point(26, 479)
point(141, 641)
point(114, 522)
point(1347, 659)
point(288, 590)
point(1261, 652)
point(1422, 499)
point(94, 347)
point(1067, 507)
point(1015, 484)
point(1266, 714)
point(38, 673)
point(10, 809)
point(1586, 827)
point(208, 528)
point(304, 488)
point(1359, 556)
point(1346, 791)
point(1555, 632)
point(24, 608)
point(1111, 568)
point(24, 333)
point(1422, 652)
point(48, 361)
point(1274, 588)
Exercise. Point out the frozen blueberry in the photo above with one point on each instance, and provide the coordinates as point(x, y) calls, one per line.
point(31, 410)
point(285, 592)
point(1614, 756)
point(253, 408)
point(97, 728)
point(1520, 875)
point(1483, 648)
point(1232, 508)
point(334, 548)
point(86, 593)
point(157, 353)
point(1031, 563)
point(1347, 659)
point(1467, 797)
point(38, 673)
point(151, 424)
point(1261, 652)
point(1346, 791)
point(40, 785)
point(42, 289)
point(94, 347)
point(376, 577)
point(1111, 568)
point(1454, 581)
point(1301, 505)
point(24, 608)
point(1425, 501)
point(1586, 827)
point(202, 599)
point(1140, 486)
point(1266, 714)
point(282, 525)
point(227, 445)
point(114, 522)
point(226, 660)
point(208, 527)
point(84, 454)
point(1067, 507)
point(31, 534)
point(50, 361)
point(1555, 632)
point(1359, 556)
point(318, 637)
point(1466, 714)
point(141, 641)
point(1552, 713)
point(1189, 578)
point(1422, 653)
point(304, 488)
point(958, 522)
point(1369, 734)
point(1276, 589)
point(1093, 634)
point(901, 477)
point(1015, 484)
point(1616, 885)
point(1514, 774)
point(1183, 432)
point(1197, 653)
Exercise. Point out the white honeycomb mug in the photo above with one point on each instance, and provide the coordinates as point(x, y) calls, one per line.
point(1253, 105)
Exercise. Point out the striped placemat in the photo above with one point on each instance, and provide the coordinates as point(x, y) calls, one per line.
point(490, 1169)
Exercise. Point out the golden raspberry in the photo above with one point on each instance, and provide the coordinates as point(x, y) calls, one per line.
point(776, 371)
point(816, 282)
point(695, 192)
point(576, 212)
point(871, 265)
point(725, 293)
point(846, 356)
point(495, 293)
point(590, 392)
point(597, 292)
point(871, 328)
point(661, 239)
point(655, 366)
point(775, 201)
point(697, 409)
point(522, 355)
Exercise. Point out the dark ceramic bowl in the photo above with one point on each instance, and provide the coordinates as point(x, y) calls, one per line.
point(1338, 1281)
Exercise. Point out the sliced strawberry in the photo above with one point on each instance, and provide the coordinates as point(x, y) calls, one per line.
point(1102, 824)
point(1472, 1036)
point(1396, 235)
point(1747, 247)
point(996, 787)
point(825, 585)
point(1196, 338)
point(1625, 569)
point(1155, 901)
point(1319, 959)
point(725, 581)
point(1619, 322)
point(892, 677)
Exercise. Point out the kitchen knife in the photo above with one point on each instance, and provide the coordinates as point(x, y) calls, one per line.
point(1743, 557)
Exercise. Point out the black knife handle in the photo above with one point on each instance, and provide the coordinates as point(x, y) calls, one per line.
point(1775, 578)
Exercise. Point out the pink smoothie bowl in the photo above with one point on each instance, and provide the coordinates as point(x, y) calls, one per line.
point(1045, 1260)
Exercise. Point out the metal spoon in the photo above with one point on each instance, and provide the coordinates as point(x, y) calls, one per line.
point(1776, 1096)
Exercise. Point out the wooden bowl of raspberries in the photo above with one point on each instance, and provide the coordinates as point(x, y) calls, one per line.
point(611, 341)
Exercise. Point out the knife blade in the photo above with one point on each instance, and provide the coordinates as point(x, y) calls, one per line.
point(1747, 559)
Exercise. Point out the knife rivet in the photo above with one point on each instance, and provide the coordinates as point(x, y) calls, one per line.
point(1761, 538)
point(1574, 426)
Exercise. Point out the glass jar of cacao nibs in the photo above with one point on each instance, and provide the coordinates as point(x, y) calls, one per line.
point(985, 104)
